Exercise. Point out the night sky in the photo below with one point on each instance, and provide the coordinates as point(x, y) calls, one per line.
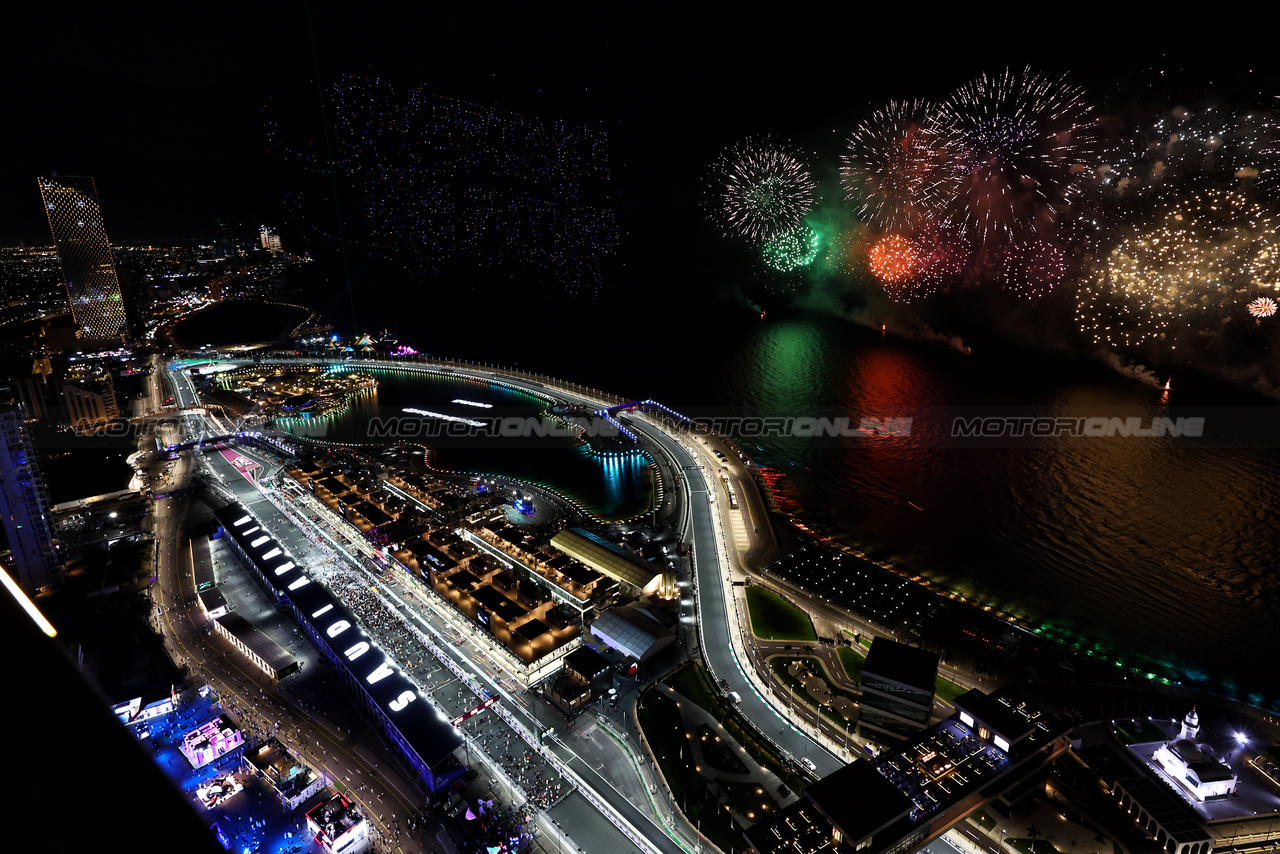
point(165, 108)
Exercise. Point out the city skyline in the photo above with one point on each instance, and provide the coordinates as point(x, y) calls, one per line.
point(670, 431)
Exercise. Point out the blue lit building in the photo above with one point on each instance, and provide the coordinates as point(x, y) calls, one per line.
point(24, 503)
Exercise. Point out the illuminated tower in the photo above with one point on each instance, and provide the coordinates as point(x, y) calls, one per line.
point(88, 267)
point(24, 504)
point(270, 241)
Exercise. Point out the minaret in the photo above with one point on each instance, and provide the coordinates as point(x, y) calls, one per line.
point(1190, 726)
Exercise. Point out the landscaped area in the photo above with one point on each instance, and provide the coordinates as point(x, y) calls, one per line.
point(947, 690)
point(660, 719)
point(749, 799)
point(832, 702)
point(717, 751)
point(774, 618)
point(694, 683)
point(852, 658)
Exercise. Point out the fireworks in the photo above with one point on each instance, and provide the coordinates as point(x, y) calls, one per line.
point(760, 189)
point(1020, 145)
point(1030, 269)
point(893, 259)
point(943, 257)
point(847, 249)
point(1168, 238)
point(1215, 142)
point(1262, 307)
point(792, 249)
point(1186, 271)
point(912, 268)
point(892, 167)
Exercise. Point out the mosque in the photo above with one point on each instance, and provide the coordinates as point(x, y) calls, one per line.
point(1194, 764)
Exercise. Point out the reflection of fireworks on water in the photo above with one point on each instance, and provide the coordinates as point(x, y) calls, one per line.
point(892, 167)
point(792, 249)
point(1021, 144)
point(760, 189)
point(1031, 269)
point(1262, 307)
point(1189, 268)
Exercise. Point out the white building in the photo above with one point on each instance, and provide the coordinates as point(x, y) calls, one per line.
point(1194, 764)
point(270, 240)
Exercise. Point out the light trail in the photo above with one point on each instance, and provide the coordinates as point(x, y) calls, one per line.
point(426, 413)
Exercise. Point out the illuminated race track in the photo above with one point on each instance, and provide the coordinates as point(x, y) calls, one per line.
point(620, 824)
point(716, 623)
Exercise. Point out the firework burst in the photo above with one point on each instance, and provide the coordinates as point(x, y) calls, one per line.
point(798, 246)
point(893, 260)
point(1031, 269)
point(1262, 307)
point(893, 167)
point(1186, 271)
point(1021, 144)
point(760, 189)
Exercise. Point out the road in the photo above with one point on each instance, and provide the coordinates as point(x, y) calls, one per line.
point(298, 531)
point(213, 661)
point(708, 532)
point(719, 620)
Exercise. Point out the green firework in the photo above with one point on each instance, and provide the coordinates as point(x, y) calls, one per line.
point(792, 249)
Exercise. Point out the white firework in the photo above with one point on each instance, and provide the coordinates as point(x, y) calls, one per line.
point(1262, 307)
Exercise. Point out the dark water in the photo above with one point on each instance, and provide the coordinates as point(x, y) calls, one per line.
point(231, 323)
point(1159, 554)
point(612, 487)
point(1159, 551)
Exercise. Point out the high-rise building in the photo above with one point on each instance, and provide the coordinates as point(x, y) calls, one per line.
point(88, 267)
point(89, 395)
point(270, 240)
point(898, 687)
point(24, 503)
point(32, 391)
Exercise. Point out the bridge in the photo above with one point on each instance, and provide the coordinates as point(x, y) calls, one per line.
point(607, 414)
point(247, 437)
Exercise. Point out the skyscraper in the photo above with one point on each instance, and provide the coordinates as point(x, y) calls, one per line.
point(24, 503)
point(88, 267)
point(270, 241)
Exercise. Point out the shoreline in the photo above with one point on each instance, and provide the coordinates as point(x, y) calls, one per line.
point(1076, 660)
